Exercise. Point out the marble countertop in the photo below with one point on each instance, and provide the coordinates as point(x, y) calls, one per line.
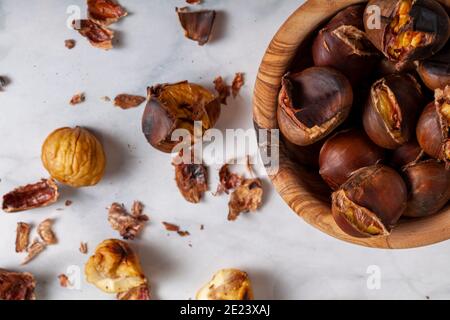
point(285, 257)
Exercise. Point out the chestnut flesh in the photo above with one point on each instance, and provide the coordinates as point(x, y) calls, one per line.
point(312, 103)
point(409, 30)
point(346, 152)
point(433, 127)
point(392, 109)
point(429, 188)
point(370, 203)
point(435, 71)
point(343, 45)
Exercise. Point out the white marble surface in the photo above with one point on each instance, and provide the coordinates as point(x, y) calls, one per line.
point(285, 257)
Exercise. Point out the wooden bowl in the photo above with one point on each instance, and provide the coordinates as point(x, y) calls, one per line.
point(302, 188)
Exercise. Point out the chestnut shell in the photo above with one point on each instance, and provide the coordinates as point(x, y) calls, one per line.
point(344, 153)
point(406, 154)
point(312, 103)
point(435, 71)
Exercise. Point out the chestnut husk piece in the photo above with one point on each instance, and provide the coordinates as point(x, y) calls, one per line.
point(407, 154)
point(433, 128)
point(312, 103)
point(344, 153)
point(370, 203)
point(177, 106)
point(409, 29)
point(435, 71)
point(429, 188)
point(343, 45)
point(197, 25)
point(392, 109)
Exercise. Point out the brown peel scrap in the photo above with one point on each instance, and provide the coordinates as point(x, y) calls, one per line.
point(197, 25)
point(222, 89)
point(31, 196)
point(17, 286)
point(22, 236)
point(77, 99)
point(83, 248)
point(191, 178)
point(127, 101)
point(237, 84)
point(70, 43)
point(105, 12)
point(193, 1)
point(34, 250)
point(174, 228)
point(228, 180)
point(98, 36)
point(247, 197)
point(128, 225)
point(45, 231)
point(63, 280)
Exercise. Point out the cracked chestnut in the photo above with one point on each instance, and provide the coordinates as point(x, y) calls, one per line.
point(344, 153)
point(408, 30)
point(392, 109)
point(406, 154)
point(312, 103)
point(435, 71)
point(370, 203)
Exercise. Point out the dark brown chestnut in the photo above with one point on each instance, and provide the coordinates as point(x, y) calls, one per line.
point(406, 154)
point(312, 103)
point(407, 30)
point(433, 127)
point(344, 153)
point(428, 183)
point(435, 71)
point(343, 45)
point(370, 203)
point(304, 155)
point(177, 106)
point(392, 109)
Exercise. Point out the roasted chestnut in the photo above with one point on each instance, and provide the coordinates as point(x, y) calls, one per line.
point(344, 153)
point(407, 30)
point(433, 127)
point(429, 188)
point(312, 103)
point(177, 106)
point(435, 71)
point(371, 202)
point(307, 155)
point(392, 110)
point(406, 154)
point(343, 45)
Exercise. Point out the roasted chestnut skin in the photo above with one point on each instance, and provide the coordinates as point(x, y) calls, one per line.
point(406, 154)
point(177, 106)
point(409, 29)
point(433, 127)
point(343, 45)
point(392, 109)
point(429, 188)
point(370, 203)
point(344, 153)
point(435, 71)
point(312, 103)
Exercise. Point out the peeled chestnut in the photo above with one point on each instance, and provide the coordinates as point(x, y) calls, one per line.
point(407, 30)
point(343, 45)
point(344, 153)
point(429, 188)
point(435, 71)
point(392, 110)
point(433, 127)
point(312, 103)
point(406, 154)
point(370, 203)
point(177, 106)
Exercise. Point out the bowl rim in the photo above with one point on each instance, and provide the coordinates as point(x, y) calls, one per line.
point(288, 178)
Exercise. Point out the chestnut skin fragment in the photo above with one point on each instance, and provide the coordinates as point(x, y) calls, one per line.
point(191, 178)
point(344, 153)
point(105, 12)
point(98, 36)
point(409, 29)
point(343, 45)
point(370, 203)
point(37, 195)
point(407, 154)
point(312, 103)
point(197, 25)
point(128, 101)
point(177, 106)
point(429, 188)
point(435, 71)
point(246, 197)
point(22, 236)
point(392, 109)
point(433, 127)
point(17, 286)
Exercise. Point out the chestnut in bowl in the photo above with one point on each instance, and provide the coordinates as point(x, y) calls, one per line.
point(344, 153)
point(312, 103)
point(435, 71)
point(392, 109)
point(433, 127)
point(343, 45)
point(429, 188)
point(406, 154)
point(408, 30)
point(370, 203)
